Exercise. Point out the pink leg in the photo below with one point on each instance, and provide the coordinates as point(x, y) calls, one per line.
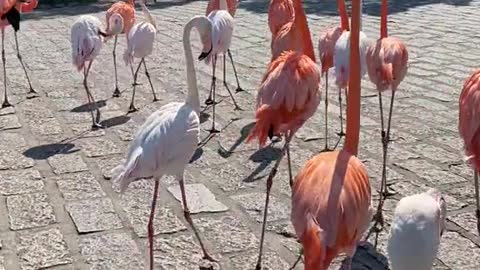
point(150, 221)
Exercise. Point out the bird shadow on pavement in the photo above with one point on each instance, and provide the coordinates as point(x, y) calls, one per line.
point(367, 258)
point(87, 107)
point(115, 121)
point(264, 156)
point(226, 153)
point(46, 151)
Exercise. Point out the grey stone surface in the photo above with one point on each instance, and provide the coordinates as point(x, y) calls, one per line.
point(93, 215)
point(255, 202)
point(97, 147)
point(69, 163)
point(199, 198)
point(20, 182)
point(111, 251)
point(13, 160)
point(246, 260)
point(29, 211)
point(2, 267)
point(79, 186)
point(42, 249)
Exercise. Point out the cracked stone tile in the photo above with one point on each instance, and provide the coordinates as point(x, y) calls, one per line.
point(254, 204)
point(20, 182)
point(199, 198)
point(13, 160)
point(180, 252)
point(11, 141)
point(247, 260)
point(228, 177)
point(93, 215)
point(98, 146)
point(458, 253)
point(42, 249)
point(111, 251)
point(29, 211)
point(137, 206)
point(66, 104)
point(466, 220)
point(9, 121)
point(45, 126)
point(79, 186)
point(68, 163)
point(127, 131)
point(227, 233)
point(85, 130)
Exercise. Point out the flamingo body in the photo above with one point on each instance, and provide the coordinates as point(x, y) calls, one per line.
point(85, 40)
point(469, 115)
point(126, 11)
point(387, 63)
point(222, 31)
point(330, 207)
point(326, 46)
point(289, 94)
point(417, 226)
point(215, 5)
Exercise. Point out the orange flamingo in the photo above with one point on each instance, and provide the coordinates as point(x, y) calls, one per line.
point(232, 8)
point(10, 15)
point(331, 201)
point(387, 66)
point(468, 126)
point(326, 49)
point(120, 19)
point(289, 28)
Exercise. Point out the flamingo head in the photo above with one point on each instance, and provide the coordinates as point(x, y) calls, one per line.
point(442, 205)
point(205, 29)
point(115, 25)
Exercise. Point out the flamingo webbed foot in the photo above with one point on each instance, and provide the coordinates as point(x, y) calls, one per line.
point(132, 108)
point(239, 89)
point(6, 104)
point(116, 92)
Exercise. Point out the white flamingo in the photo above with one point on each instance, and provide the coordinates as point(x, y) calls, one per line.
point(165, 143)
point(86, 39)
point(140, 45)
point(222, 31)
point(418, 224)
point(341, 58)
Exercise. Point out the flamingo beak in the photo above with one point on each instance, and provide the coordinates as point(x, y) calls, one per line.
point(204, 55)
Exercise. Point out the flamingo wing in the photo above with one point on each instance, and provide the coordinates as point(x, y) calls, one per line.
point(469, 114)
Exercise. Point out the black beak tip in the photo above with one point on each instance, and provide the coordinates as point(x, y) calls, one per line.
point(202, 56)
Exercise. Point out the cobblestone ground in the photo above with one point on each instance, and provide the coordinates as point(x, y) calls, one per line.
point(59, 210)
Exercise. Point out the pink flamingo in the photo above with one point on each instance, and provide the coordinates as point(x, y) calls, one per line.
point(469, 129)
point(10, 15)
point(387, 66)
point(326, 48)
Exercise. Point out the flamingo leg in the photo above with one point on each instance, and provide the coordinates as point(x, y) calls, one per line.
point(150, 221)
point(289, 166)
point(209, 100)
point(225, 82)
point(186, 213)
point(272, 174)
point(116, 92)
point(296, 262)
point(477, 198)
point(95, 122)
point(326, 149)
point(341, 133)
point(19, 56)
point(132, 108)
point(214, 79)
point(149, 81)
point(239, 89)
point(5, 99)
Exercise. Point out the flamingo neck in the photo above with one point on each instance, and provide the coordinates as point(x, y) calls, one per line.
point(223, 5)
point(302, 24)
point(353, 99)
point(383, 20)
point(342, 10)
point(192, 97)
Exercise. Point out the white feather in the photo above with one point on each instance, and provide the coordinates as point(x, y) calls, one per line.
point(85, 39)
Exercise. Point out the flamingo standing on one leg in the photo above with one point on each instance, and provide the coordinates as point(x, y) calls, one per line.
point(469, 129)
point(140, 45)
point(222, 30)
point(86, 39)
point(10, 15)
point(326, 49)
point(331, 200)
point(387, 61)
point(120, 19)
point(165, 143)
point(232, 8)
point(342, 67)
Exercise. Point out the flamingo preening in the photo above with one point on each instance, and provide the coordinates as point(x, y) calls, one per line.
point(10, 15)
point(331, 196)
point(387, 61)
point(165, 143)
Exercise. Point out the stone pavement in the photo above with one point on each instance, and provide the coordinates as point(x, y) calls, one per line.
point(59, 210)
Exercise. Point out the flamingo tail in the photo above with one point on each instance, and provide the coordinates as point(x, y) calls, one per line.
point(122, 173)
point(264, 126)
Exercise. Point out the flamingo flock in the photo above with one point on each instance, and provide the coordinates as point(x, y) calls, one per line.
point(331, 197)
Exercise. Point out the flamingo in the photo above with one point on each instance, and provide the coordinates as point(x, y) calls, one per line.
point(326, 49)
point(86, 39)
point(340, 62)
point(417, 226)
point(331, 196)
point(140, 45)
point(232, 8)
point(222, 30)
point(10, 15)
point(120, 19)
point(387, 61)
point(165, 143)
point(289, 28)
point(468, 126)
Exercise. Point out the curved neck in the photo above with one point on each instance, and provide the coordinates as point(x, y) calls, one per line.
point(353, 99)
point(302, 25)
point(383, 20)
point(342, 11)
point(192, 97)
point(223, 5)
